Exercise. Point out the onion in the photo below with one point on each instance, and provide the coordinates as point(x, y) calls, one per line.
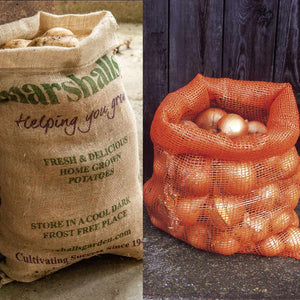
point(152, 191)
point(291, 196)
point(292, 242)
point(256, 127)
point(264, 198)
point(208, 119)
point(227, 211)
point(295, 219)
point(258, 226)
point(187, 118)
point(197, 236)
point(195, 179)
point(225, 244)
point(177, 230)
point(281, 220)
point(297, 175)
point(163, 165)
point(236, 177)
point(271, 246)
point(233, 125)
point(158, 223)
point(241, 232)
point(287, 163)
point(190, 124)
point(188, 211)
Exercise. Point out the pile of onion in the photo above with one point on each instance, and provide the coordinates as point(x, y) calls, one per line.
point(217, 120)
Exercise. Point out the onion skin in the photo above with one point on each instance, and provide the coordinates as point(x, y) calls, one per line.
point(271, 246)
point(297, 175)
point(225, 244)
point(195, 179)
point(177, 231)
point(291, 196)
point(236, 177)
point(197, 236)
point(288, 163)
point(190, 124)
point(158, 223)
point(256, 127)
point(209, 118)
point(264, 198)
point(227, 211)
point(292, 241)
point(233, 125)
point(295, 219)
point(242, 233)
point(152, 191)
point(258, 226)
point(163, 165)
point(281, 221)
point(188, 211)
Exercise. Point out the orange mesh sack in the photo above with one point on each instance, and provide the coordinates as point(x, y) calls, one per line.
point(224, 194)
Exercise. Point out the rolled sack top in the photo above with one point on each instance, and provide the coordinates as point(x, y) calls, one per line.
point(88, 50)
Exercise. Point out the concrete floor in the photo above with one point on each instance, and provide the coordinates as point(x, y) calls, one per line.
point(105, 277)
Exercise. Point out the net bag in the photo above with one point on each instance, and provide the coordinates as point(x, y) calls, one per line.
point(221, 194)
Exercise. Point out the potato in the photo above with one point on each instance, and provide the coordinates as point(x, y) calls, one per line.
point(58, 40)
point(58, 31)
point(16, 43)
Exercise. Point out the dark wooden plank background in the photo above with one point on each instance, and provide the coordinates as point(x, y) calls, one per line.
point(239, 39)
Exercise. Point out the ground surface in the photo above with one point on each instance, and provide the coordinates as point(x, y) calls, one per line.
point(105, 277)
point(176, 270)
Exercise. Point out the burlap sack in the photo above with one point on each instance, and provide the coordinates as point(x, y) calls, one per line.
point(68, 154)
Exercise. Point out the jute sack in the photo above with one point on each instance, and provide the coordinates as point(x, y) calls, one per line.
point(68, 154)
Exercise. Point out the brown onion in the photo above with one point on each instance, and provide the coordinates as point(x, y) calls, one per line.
point(297, 174)
point(258, 226)
point(152, 191)
point(189, 210)
point(163, 165)
point(227, 211)
point(197, 236)
point(209, 118)
point(256, 127)
point(271, 246)
point(292, 241)
point(190, 124)
point(291, 196)
point(194, 179)
point(233, 125)
point(177, 230)
point(287, 163)
point(158, 223)
point(241, 232)
point(264, 198)
point(281, 220)
point(236, 177)
point(225, 244)
point(295, 219)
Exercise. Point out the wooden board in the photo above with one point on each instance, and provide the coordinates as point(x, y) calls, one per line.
point(287, 62)
point(195, 34)
point(155, 79)
point(249, 39)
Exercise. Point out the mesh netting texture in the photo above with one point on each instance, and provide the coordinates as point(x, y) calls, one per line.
point(222, 194)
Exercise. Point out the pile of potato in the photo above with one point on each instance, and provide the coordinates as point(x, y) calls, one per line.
point(56, 36)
